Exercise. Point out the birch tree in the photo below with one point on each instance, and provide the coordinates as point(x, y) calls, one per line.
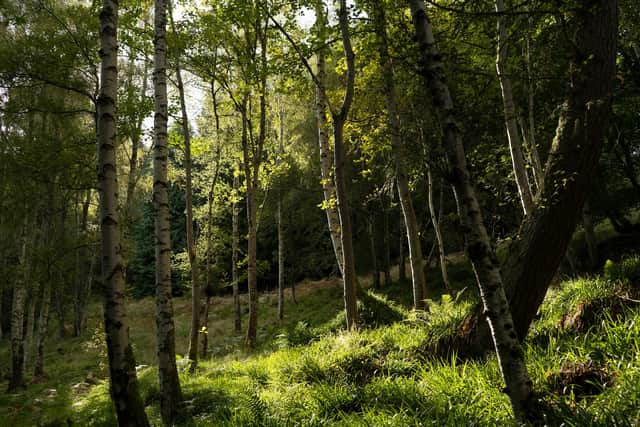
point(170, 391)
point(122, 373)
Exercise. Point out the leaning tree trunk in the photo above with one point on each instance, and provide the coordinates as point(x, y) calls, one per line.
point(510, 117)
point(30, 324)
point(191, 245)
point(399, 154)
point(326, 163)
point(480, 250)
point(545, 236)
point(170, 391)
point(122, 366)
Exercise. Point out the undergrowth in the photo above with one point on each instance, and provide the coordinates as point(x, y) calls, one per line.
point(583, 354)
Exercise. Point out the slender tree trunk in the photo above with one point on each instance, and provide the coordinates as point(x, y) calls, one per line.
point(515, 145)
point(170, 391)
point(590, 235)
point(279, 225)
point(83, 274)
point(205, 323)
point(399, 154)
point(480, 250)
point(17, 381)
point(41, 335)
point(386, 247)
point(339, 118)
point(31, 322)
point(436, 228)
point(252, 282)
point(402, 267)
point(372, 246)
point(132, 175)
point(122, 365)
point(191, 245)
point(538, 172)
point(235, 244)
point(326, 161)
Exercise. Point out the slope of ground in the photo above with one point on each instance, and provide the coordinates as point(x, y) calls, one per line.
point(583, 354)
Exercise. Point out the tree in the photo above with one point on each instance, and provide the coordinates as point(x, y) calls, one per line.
point(479, 249)
point(170, 391)
point(399, 154)
point(124, 383)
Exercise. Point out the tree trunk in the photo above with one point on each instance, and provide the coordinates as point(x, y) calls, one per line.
point(544, 237)
point(402, 267)
point(590, 235)
point(326, 163)
point(132, 175)
point(339, 118)
point(538, 173)
point(235, 244)
point(205, 325)
point(372, 246)
point(81, 296)
point(480, 250)
point(436, 228)
point(170, 391)
point(252, 281)
point(31, 316)
point(16, 381)
point(191, 245)
point(515, 145)
point(41, 335)
point(386, 247)
point(399, 154)
point(122, 366)
point(279, 225)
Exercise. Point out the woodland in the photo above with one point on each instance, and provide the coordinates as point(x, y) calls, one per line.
point(312, 212)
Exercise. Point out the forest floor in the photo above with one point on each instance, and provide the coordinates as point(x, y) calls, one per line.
point(583, 353)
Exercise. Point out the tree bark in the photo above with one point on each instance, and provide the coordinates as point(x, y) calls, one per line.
point(479, 250)
point(399, 154)
point(279, 225)
point(590, 235)
point(402, 264)
point(326, 163)
point(170, 391)
point(31, 322)
point(372, 247)
point(191, 245)
point(544, 237)
point(41, 335)
point(436, 228)
point(386, 247)
point(17, 382)
point(122, 366)
point(339, 119)
point(511, 124)
point(82, 291)
point(235, 244)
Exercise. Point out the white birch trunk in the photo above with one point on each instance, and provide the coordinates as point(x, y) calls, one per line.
point(170, 391)
point(124, 384)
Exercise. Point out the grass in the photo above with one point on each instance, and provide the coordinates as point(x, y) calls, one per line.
point(583, 354)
